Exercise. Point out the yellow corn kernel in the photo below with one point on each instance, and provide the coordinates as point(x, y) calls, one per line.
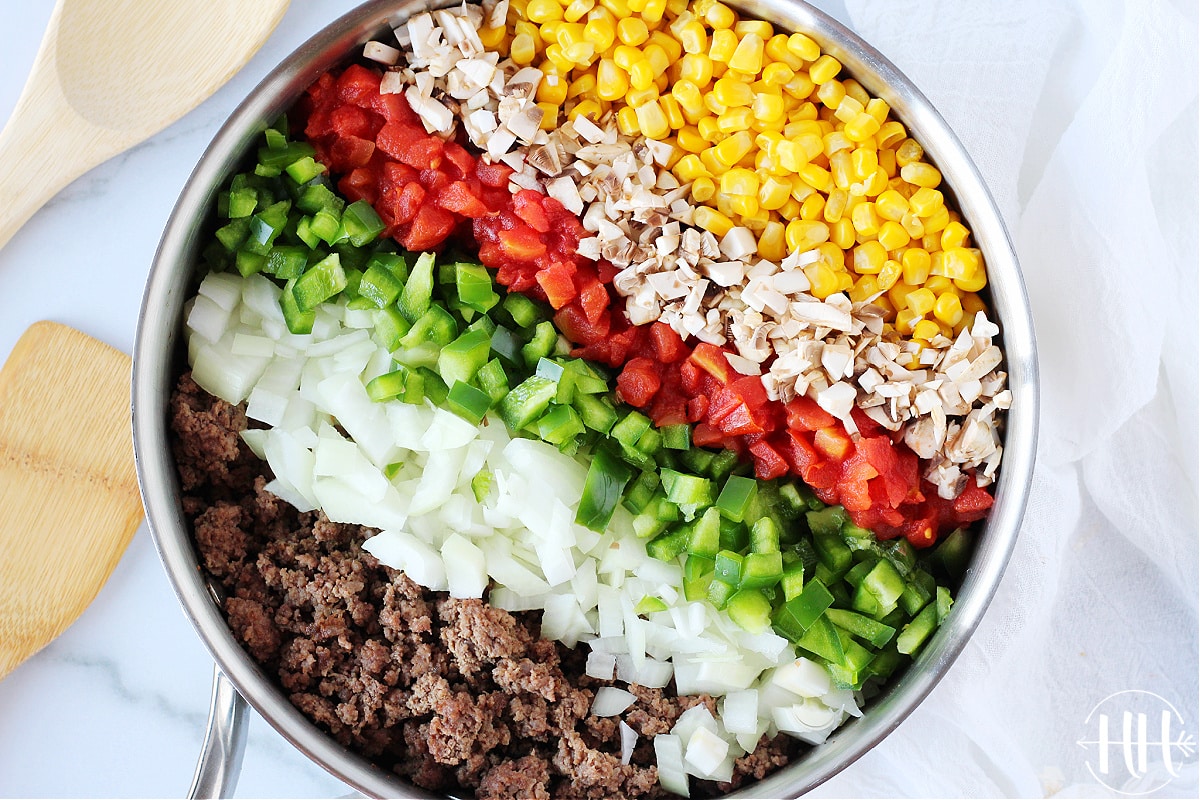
point(790, 209)
point(523, 50)
point(771, 243)
point(703, 189)
point(799, 88)
point(707, 127)
point(720, 15)
point(804, 235)
point(861, 128)
point(658, 59)
point(776, 51)
point(690, 100)
point(839, 168)
point(641, 74)
point(834, 142)
point(812, 207)
point(831, 93)
point(553, 88)
point(587, 108)
point(845, 109)
point(956, 262)
point(906, 319)
point(740, 181)
point(729, 93)
point(748, 56)
point(670, 107)
point(712, 221)
point(842, 233)
point(816, 177)
point(925, 329)
point(954, 237)
point(547, 32)
point(601, 33)
point(918, 173)
point(746, 207)
point(891, 205)
point(824, 69)
point(555, 55)
point(888, 275)
point(618, 8)
point(864, 288)
point(916, 263)
point(549, 116)
point(890, 134)
point(948, 308)
point(768, 141)
point(581, 54)
point(760, 28)
point(920, 301)
point(690, 167)
point(887, 160)
point(777, 74)
point(625, 56)
point(934, 225)
point(863, 163)
point(569, 33)
point(972, 283)
point(627, 122)
point(938, 283)
point(652, 121)
point(669, 45)
point(584, 84)
point(612, 83)
point(822, 279)
point(697, 68)
point(810, 145)
point(491, 38)
point(639, 97)
point(636, 6)
point(908, 152)
point(835, 204)
point(869, 258)
point(926, 201)
point(733, 149)
point(632, 31)
point(654, 10)
point(876, 107)
point(691, 35)
point(734, 120)
point(773, 193)
point(912, 225)
point(714, 105)
point(578, 9)
point(540, 11)
point(723, 45)
point(803, 47)
point(892, 235)
point(845, 281)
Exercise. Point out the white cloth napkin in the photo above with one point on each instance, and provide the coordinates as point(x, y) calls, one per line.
point(1082, 117)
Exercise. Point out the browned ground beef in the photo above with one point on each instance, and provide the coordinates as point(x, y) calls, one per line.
point(447, 693)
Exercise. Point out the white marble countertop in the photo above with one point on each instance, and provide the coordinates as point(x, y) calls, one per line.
point(116, 707)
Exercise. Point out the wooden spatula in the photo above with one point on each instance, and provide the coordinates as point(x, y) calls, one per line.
point(69, 500)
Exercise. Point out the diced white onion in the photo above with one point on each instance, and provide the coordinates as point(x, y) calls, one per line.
point(611, 701)
point(629, 739)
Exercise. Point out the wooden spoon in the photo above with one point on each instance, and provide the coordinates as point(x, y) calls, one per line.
point(69, 500)
point(111, 73)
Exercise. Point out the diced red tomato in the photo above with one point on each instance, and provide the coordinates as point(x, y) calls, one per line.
point(768, 463)
point(428, 229)
point(668, 345)
point(804, 414)
point(833, 442)
point(638, 382)
point(456, 196)
point(712, 360)
point(556, 281)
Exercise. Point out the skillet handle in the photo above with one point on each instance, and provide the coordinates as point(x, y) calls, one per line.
point(224, 742)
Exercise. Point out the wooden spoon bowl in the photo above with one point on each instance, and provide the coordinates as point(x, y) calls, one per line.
point(69, 500)
point(111, 73)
